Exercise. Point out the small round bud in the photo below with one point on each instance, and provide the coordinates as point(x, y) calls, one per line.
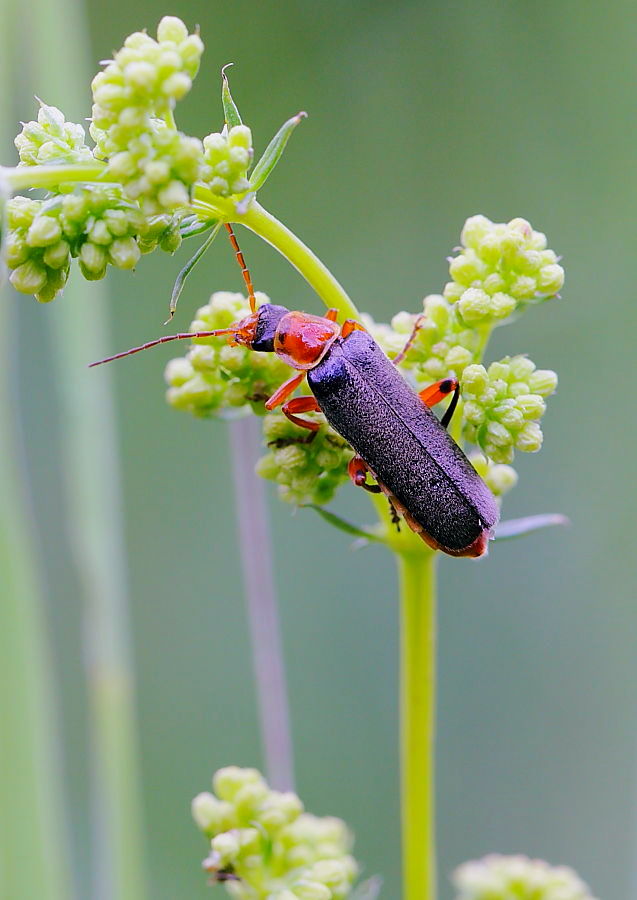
point(529, 439)
point(99, 233)
point(502, 305)
point(521, 367)
point(56, 256)
point(312, 890)
point(226, 847)
point(543, 382)
point(494, 283)
point(44, 231)
point(174, 195)
point(532, 406)
point(229, 781)
point(240, 136)
point(475, 228)
point(474, 380)
point(524, 287)
point(92, 257)
point(500, 479)
point(550, 279)
point(173, 29)
point(16, 250)
point(466, 268)
point(124, 253)
point(29, 278)
point(177, 86)
point(474, 305)
point(453, 291)
point(212, 815)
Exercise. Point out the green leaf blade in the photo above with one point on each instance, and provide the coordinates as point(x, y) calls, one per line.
point(230, 109)
point(274, 151)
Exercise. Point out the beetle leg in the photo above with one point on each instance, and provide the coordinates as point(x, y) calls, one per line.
point(395, 515)
point(282, 393)
point(437, 392)
point(332, 314)
point(418, 323)
point(350, 325)
point(357, 470)
point(303, 404)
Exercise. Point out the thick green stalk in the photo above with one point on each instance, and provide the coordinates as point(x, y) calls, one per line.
point(92, 478)
point(34, 860)
point(417, 574)
point(48, 177)
point(298, 254)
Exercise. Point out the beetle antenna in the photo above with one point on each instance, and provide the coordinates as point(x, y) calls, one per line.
point(164, 340)
point(244, 269)
point(418, 323)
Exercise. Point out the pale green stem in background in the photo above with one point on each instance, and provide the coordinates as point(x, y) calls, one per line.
point(263, 616)
point(34, 857)
point(92, 479)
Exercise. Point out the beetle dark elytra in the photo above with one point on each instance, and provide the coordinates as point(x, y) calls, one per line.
point(396, 437)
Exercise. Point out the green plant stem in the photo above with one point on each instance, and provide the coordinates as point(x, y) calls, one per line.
point(417, 576)
point(34, 850)
point(298, 254)
point(91, 480)
point(19, 178)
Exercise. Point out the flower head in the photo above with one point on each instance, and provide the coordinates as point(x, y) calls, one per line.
point(498, 877)
point(263, 844)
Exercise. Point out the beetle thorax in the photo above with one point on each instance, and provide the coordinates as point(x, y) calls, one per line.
point(302, 340)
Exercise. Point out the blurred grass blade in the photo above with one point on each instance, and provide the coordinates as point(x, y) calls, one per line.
point(187, 269)
point(342, 524)
point(263, 615)
point(274, 151)
point(34, 851)
point(92, 484)
point(514, 528)
point(230, 109)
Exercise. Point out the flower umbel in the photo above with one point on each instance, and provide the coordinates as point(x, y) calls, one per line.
point(263, 845)
point(498, 877)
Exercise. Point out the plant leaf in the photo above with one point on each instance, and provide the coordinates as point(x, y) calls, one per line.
point(187, 269)
point(273, 151)
point(513, 528)
point(342, 524)
point(230, 109)
point(368, 890)
point(193, 227)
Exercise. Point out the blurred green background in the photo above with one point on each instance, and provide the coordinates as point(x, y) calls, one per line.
point(420, 114)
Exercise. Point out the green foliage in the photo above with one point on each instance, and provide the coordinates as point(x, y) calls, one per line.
point(503, 405)
point(216, 377)
point(263, 845)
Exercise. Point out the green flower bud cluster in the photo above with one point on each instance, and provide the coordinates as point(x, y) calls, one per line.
point(213, 376)
point(132, 116)
point(443, 344)
point(305, 471)
point(506, 877)
point(228, 156)
point(52, 140)
point(502, 406)
point(263, 845)
point(95, 224)
point(498, 477)
point(500, 268)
